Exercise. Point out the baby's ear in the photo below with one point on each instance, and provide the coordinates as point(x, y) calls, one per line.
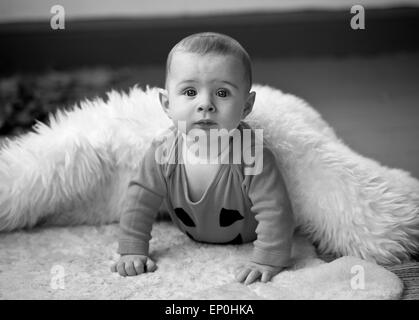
point(249, 104)
point(164, 100)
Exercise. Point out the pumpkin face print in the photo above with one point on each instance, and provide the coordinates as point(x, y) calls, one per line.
point(227, 218)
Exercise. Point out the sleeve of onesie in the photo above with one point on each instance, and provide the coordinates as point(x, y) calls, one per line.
point(146, 192)
point(273, 212)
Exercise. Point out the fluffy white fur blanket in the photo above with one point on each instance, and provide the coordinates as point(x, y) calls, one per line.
point(73, 263)
point(75, 171)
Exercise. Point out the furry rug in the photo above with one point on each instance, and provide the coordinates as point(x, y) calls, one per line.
point(73, 263)
point(75, 171)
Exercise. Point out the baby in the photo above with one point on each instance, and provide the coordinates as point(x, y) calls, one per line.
point(224, 196)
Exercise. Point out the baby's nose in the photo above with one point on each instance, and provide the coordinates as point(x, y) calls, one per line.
point(206, 107)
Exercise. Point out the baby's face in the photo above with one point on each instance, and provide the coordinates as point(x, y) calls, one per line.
point(207, 87)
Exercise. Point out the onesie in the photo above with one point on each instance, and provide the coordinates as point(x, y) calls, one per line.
point(237, 207)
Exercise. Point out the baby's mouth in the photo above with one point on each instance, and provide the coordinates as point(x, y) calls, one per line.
point(205, 123)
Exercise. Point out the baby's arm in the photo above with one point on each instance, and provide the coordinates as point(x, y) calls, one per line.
point(275, 229)
point(146, 192)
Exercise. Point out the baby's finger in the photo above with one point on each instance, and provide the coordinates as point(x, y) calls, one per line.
point(121, 269)
point(139, 267)
point(242, 274)
point(252, 277)
point(129, 268)
point(150, 266)
point(266, 276)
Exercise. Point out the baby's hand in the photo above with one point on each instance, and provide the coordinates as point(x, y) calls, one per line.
point(132, 265)
point(252, 271)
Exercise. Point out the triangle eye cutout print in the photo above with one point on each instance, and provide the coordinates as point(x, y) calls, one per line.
point(184, 217)
point(228, 217)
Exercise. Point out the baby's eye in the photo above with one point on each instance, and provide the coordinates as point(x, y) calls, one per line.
point(222, 93)
point(190, 92)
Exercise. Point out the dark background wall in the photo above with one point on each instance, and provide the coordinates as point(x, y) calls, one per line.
point(34, 46)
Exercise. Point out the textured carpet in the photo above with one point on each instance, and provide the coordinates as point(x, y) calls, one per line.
point(409, 274)
point(73, 263)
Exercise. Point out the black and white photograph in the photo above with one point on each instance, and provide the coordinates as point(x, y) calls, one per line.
point(209, 155)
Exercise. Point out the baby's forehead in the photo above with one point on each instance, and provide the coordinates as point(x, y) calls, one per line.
point(187, 62)
point(220, 65)
point(203, 57)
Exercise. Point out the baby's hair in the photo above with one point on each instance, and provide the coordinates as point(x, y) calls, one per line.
point(211, 42)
